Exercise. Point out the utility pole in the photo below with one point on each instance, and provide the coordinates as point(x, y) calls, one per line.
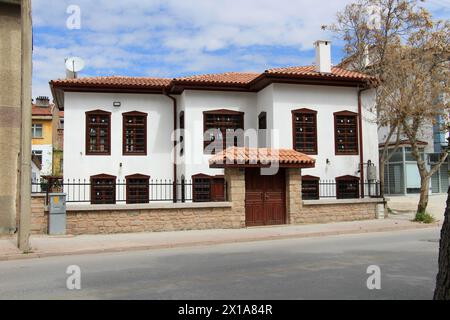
point(25, 143)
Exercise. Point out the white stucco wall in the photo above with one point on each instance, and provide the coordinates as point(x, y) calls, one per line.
point(278, 100)
point(326, 100)
point(47, 158)
point(35, 172)
point(265, 103)
point(157, 163)
point(197, 102)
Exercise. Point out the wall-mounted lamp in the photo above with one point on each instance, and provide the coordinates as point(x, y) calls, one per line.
point(328, 162)
point(117, 104)
point(121, 165)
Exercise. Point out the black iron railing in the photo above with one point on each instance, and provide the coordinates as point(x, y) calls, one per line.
point(83, 191)
point(329, 189)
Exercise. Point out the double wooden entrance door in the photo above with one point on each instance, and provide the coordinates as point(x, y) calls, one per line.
point(265, 198)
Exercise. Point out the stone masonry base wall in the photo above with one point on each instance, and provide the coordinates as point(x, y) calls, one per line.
point(139, 220)
point(108, 222)
point(155, 220)
point(39, 218)
point(327, 213)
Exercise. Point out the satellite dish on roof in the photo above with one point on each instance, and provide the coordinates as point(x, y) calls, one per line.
point(73, 66)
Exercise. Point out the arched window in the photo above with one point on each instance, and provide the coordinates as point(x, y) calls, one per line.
point(103, 189)
point(347, 187)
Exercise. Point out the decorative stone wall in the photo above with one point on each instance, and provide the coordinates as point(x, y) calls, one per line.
point(39, 217)
point(293, 194)
point(235, 179)
point(151, 220)
point(108, 219)
point(336, 211)
point(324, 211)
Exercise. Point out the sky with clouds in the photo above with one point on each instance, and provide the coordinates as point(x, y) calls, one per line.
point(170, 38)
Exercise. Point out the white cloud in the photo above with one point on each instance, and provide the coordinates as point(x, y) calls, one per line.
point(172, 37)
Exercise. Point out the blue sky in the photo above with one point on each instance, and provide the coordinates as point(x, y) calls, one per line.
point(169, 38)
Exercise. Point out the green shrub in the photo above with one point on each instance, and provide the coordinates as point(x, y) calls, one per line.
point(424, 217)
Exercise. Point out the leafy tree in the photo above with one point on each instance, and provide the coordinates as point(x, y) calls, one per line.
point(377, 34)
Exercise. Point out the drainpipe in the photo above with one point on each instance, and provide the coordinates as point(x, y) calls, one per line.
point(361, 143)
point(175, 111)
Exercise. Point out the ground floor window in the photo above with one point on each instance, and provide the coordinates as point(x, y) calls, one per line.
point(347, 187)
point(103, 189)
point(137, 189)
point(401, 175)
point(310, 188)
point(208, 188)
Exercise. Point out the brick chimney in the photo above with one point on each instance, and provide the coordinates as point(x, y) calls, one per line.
point(42, 102)
point(323, 56)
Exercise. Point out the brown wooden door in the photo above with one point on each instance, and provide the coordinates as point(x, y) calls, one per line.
point(265, 198)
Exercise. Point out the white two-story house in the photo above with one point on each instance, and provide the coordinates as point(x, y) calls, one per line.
point(126, 128)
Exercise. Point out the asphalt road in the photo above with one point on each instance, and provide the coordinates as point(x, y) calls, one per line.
point(318, 268)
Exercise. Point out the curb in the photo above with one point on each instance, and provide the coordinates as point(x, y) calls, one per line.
point(39, 255)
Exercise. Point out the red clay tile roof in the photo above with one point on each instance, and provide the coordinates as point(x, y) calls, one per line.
point(41, 111)
point(228, 78)
point(114, 81)
point(311, 72)
point(260, 157)
point(222, 78)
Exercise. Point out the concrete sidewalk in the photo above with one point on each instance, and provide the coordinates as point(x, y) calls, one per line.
point(406, 206)
point(47, 246)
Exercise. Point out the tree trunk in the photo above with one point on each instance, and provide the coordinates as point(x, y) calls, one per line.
point(443, 278)
point(382, 169)
point(424, 190)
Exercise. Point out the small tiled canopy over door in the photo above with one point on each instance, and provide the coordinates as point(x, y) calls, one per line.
point(265, 192)
point(265, 198)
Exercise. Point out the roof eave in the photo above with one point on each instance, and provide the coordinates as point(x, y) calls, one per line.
point(260, 165)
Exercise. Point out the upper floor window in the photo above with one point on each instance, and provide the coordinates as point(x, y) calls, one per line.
point(262, 121)
point(304, 127)
point(220, 126)
point(98, 133)
point(36, 130)
point(182, 127)
point(137, 188)
point(262, 130)
point(103, 189)
point(346, 133)
point(135, 133)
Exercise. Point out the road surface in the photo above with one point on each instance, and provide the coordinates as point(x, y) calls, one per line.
point(317, 268)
